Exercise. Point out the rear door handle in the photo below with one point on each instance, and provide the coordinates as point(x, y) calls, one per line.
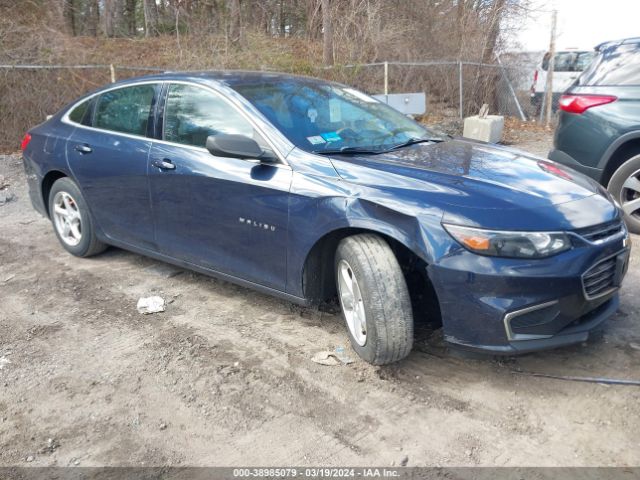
point(83, 148)
point(164, 164)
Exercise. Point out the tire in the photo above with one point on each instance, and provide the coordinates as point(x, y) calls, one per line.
point(379, 293)
point(74, 229)
point(625, 188)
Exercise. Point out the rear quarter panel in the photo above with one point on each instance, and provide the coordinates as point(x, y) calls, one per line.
point(46, 152)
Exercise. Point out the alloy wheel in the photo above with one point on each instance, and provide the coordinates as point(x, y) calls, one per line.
point(67, 218)
point(352, 303)
point(630, 195)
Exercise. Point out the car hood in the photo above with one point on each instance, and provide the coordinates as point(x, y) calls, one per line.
point(476, 179)
point(469, 170)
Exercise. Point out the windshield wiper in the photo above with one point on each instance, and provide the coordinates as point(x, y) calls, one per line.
point(347, 151)
point(413, 141)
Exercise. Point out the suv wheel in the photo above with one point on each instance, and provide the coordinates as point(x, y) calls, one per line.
point(374, 298)
point(71, 219)
point(625, 188)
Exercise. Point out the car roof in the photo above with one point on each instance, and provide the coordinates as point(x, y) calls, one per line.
point(232, 78)
point(615, 43)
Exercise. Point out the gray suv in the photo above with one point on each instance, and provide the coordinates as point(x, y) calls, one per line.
point(598, 131)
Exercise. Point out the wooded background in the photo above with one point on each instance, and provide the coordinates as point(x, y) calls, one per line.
point(314, 37)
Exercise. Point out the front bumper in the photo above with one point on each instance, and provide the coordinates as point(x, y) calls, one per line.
point(507, 306)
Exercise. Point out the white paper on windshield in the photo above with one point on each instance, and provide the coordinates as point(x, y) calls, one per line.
point(316, 140)
point(335, 114)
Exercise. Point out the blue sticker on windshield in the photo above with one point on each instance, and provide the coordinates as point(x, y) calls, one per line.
point(331, 136)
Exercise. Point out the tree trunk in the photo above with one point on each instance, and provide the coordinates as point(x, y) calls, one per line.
point(488, 91)
point(150, 18)
point(92, 18)
point(283, 20)
point(313, 25)
point(488, 53)
point(68, 16)
point(235, 24)
point(108, 17)
point(327, 27)
point(130, 14)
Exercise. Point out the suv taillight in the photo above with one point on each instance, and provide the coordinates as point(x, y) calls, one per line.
point(579, 103)
point(535, 81)
point(25, 141)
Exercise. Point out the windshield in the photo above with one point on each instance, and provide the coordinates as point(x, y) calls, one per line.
point(322, 117)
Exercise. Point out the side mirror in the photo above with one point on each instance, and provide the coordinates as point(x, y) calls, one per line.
point(237, 146)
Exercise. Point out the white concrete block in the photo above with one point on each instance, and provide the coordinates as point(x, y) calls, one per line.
point(487, 129)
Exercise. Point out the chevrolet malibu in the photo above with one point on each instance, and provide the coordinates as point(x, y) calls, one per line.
point(309, 190)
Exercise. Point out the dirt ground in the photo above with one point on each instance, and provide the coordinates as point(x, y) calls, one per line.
point(225, 377)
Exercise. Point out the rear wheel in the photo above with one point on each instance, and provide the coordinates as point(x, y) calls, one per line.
point(374, 298)
point(625, 188)
point(71, 219)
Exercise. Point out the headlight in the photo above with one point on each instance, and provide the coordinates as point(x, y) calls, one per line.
point(497, 243)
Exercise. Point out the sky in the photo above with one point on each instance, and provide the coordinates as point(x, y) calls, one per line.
point(581, 23)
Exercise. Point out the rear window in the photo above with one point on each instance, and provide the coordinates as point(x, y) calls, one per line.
point(568, 61)
point(617, 66)
point(80, 114)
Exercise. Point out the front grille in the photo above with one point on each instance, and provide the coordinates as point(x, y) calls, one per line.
point(602, 231)
point(600, 278)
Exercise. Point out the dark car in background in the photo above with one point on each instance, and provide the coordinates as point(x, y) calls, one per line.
point(598, 131)
point(308, 190)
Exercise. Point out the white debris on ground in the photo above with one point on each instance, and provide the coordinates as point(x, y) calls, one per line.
point(3, 362)
point(332, 359)
point(147, 305)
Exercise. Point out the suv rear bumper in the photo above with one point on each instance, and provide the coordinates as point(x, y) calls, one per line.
point(565, 159)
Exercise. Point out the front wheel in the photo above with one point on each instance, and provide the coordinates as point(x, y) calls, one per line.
point(374, 298)
point(625, 188)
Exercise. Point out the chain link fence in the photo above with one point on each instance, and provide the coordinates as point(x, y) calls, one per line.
point(454, 90)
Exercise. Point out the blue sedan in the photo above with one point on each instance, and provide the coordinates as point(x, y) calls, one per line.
point(311, 190)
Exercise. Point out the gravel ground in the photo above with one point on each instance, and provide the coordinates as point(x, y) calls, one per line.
point(224, 376)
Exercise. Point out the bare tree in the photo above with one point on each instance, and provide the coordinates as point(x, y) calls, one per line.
point(150, 18)
point(91, 18)
point(130, 16)
point(113, 17)
point(68, 15)
point(235, 23)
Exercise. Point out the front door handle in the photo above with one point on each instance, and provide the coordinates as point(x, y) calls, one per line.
point(83, 148)
point(164, 164)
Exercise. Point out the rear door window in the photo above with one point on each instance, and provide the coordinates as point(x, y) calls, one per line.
point(125, 110)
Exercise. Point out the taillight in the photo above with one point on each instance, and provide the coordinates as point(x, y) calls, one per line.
point(535, 80)
point(25, 141)
point(579, 103)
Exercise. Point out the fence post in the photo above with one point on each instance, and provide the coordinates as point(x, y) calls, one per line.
point(461, 95)
point(386, 78)
point(112, 70)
